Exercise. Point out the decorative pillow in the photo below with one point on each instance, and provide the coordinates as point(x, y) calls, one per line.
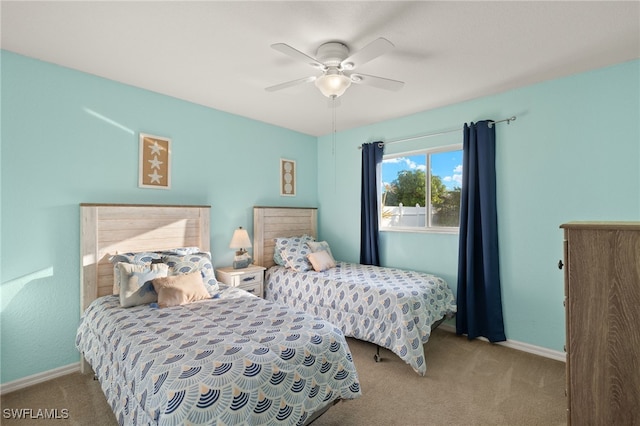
point(181, 251)
point(320, 246)
point(177, 290)
point(295, 256)
point(321, 260)
point(136, 258)
point(117, 275)
point(135, 282)
point(194, 262)
point(283, 243)
point(149, 256)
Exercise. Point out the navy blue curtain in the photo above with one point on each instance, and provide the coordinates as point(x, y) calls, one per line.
point(479, 297)
point(371, 158)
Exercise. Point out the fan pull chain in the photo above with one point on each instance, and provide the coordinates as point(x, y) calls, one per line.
point(333, 144)
point(333, 112)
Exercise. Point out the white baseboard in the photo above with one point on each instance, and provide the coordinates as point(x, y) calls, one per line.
point(39, 378)
point(525, 347)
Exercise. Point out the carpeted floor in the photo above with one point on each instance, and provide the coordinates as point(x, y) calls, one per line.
point(467, 383)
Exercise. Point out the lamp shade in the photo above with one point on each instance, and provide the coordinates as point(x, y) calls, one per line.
point(240, 239)
point(333, 83)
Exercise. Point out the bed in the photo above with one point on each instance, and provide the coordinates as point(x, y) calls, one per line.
point(393, 308)
point(230, 358)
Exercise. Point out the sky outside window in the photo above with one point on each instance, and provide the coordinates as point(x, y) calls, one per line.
point(447, 165)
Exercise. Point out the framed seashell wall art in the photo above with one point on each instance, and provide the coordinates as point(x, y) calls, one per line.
point(287, 177)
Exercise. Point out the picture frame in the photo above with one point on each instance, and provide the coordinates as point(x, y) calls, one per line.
point(154, 168)
point(288, 171)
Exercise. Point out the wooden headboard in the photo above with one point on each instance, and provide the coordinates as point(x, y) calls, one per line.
point(273, 222)
point(108, 229)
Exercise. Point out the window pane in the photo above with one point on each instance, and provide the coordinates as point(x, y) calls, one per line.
point(404, 191)
point(421, 190)
point(446, 183)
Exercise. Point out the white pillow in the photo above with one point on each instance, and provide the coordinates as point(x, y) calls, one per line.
point(136, 287)
point(321, 261)
point(319, 246)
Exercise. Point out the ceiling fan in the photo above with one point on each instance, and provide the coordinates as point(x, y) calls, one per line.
point(337, 65)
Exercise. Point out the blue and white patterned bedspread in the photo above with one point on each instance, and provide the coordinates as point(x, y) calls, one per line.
point(391, 307)
point(234, 360)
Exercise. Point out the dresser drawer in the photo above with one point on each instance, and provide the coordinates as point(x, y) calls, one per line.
point(255, 289)
point(242, 280)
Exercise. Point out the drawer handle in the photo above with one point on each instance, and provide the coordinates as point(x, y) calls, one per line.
point(247, 279)
point(253, 290)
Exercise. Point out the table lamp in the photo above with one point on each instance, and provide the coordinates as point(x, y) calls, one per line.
point(239, 241)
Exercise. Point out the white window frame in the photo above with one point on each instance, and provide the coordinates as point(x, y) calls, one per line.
point(428, 228)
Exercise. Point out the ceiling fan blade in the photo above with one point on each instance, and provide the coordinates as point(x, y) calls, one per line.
point(379, 82)
point(371, 51)
point(298, 55)
point(291, 83)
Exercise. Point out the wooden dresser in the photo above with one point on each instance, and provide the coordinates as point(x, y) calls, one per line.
point(602, 306)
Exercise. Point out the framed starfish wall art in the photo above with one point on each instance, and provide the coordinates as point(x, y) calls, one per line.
point(155, 162)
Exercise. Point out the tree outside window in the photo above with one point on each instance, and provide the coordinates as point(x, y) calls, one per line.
point(406, 203)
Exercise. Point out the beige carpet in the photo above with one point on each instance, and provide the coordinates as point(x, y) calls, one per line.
point(467, 383)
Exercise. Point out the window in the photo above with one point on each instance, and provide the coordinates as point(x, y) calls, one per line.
point(421, 190)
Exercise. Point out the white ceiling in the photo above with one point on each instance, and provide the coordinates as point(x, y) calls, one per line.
point(218, 54)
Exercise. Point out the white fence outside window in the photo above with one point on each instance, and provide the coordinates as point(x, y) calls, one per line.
point(401, 216)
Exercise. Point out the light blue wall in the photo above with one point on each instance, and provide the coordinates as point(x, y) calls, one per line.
point(69, 137)
point(572, 154)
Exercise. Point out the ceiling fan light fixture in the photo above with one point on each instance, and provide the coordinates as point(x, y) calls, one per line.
point(335, 59)
point(333, 83)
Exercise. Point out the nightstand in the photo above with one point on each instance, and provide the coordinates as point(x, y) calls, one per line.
point(249, 278)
